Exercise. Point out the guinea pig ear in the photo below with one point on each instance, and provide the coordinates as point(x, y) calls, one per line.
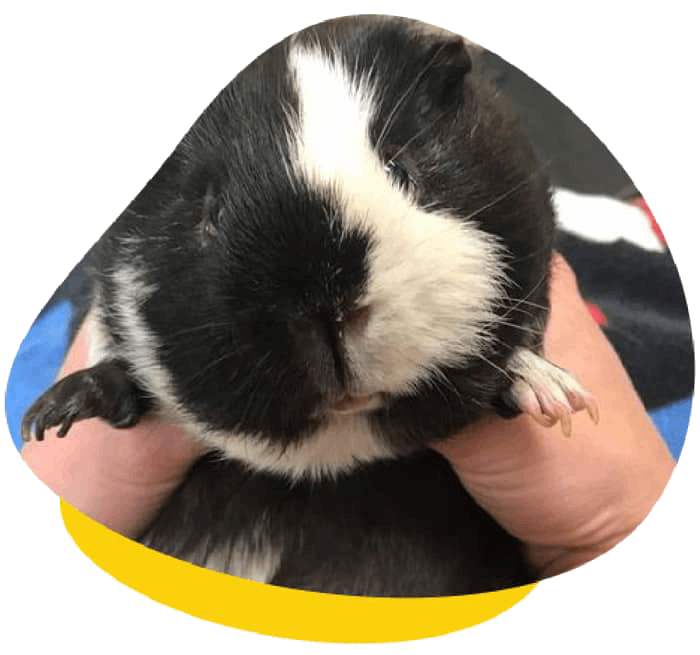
point(443, 84)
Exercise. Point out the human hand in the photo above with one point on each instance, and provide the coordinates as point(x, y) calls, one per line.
point(568, 500)
point(120, 478)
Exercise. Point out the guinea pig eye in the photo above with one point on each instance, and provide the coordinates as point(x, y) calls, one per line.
point(207, 229)
point(398, 174)
point(208, 217)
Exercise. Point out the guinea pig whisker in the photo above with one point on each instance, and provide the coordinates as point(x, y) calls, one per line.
point(537, 285)
point(534, 253)
point(405, 96)
point(511, 191)
point(500, 321)
point(198, 376)
point(528, 308)
point(197, 328)
point(396, 154)
point(521, 310)
point(257, 368)
point(270, 397)
point(498, 199)
point(252, 393)
point(448, 404)
point(531, 304)
point(441, 379)
point(229, 354)
point(496, 366)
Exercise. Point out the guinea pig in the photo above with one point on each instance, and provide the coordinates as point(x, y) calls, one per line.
point(345, 259)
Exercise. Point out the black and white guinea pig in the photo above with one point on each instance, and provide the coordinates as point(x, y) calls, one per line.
point(344, 259)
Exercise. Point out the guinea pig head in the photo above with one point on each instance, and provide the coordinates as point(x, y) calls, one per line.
point(333, 244)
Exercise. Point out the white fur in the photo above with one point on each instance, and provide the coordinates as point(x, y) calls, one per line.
point(338, 447)
point(546, 392)
point(252, 556)
point(538, 372)
point(433, 278)
point(99, 341)
point(140, 345)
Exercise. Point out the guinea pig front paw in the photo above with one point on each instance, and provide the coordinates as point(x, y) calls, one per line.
point(105, 391)
point(547, 393)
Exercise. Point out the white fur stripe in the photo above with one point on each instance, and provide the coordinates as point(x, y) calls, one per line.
point(433, 279)
point(336, 448)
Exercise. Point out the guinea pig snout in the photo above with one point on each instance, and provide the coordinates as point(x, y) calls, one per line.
point(319, 339)
point(356, 319)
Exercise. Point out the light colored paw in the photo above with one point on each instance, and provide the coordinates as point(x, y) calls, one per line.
point(549, 394)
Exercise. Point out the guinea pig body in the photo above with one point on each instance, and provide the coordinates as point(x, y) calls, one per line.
point(345, 259)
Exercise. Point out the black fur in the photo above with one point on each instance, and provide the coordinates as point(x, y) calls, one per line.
point(105, 390)
point(253, 281)
point(401, 528)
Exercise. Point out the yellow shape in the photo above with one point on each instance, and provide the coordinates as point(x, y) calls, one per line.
point(278, 611)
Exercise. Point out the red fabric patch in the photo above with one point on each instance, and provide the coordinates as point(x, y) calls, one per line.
point(642, 204)
point(597, 314)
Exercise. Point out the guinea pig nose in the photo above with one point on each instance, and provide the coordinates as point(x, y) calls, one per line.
point(358, 317)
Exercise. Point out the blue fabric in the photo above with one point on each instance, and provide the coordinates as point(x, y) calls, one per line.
point(41, 354)
point(672, 422)
point(37, 363)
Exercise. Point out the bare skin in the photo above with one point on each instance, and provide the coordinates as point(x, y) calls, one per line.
point(568, 500)
point(120, 478)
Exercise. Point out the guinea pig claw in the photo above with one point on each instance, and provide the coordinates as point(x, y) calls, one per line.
point(592, 409)
point(547, 393)
point(565, 420)
point(558, 412)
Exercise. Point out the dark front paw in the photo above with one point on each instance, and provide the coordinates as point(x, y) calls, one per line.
point(105, 391)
